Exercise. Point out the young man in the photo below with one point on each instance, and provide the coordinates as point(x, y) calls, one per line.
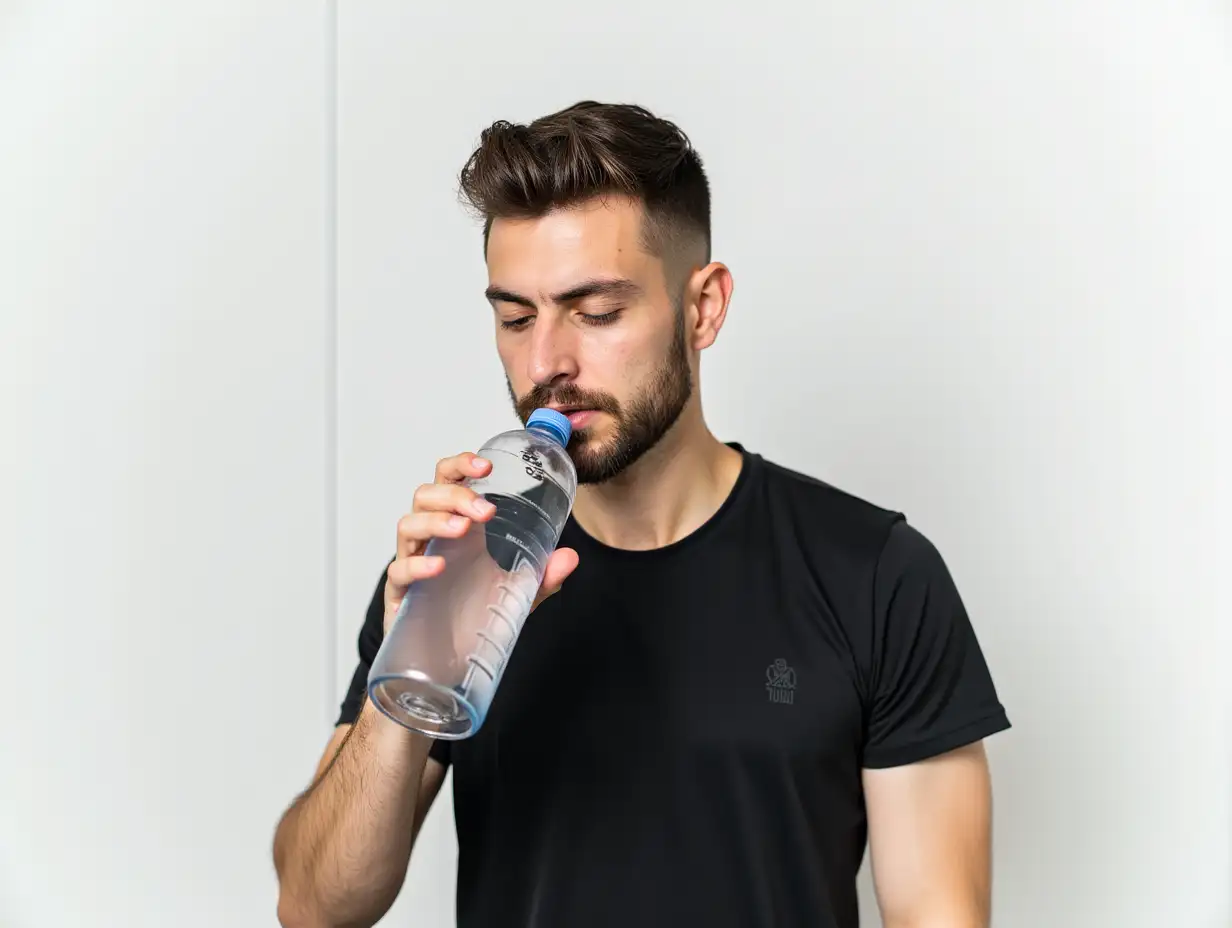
point(734, 675)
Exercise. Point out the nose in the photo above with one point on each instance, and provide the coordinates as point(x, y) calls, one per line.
point(552, 351)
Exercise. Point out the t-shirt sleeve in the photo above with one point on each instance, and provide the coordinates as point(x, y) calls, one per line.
point(371, 634)
point(931, 690)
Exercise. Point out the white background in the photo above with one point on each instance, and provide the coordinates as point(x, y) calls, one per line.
point(164, 656)
point(983, 263)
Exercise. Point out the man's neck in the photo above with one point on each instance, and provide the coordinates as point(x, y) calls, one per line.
point(666, 494)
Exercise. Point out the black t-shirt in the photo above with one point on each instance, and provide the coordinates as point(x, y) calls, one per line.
point(679, 734)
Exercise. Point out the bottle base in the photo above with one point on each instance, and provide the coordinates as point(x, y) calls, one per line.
point(415, 702)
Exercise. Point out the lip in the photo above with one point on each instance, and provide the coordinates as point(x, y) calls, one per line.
point(579, 418)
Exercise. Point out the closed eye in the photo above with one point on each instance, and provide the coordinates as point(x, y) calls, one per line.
point(603, 318)
point(596, 319)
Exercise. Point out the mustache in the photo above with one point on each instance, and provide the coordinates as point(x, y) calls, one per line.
point(566, 394)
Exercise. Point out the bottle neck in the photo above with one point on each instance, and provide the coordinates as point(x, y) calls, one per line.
point(547, 433)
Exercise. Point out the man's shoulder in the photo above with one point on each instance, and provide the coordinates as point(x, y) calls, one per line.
point(821, 512)
point(809, 490)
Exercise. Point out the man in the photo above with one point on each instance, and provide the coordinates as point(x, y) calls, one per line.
point(734, 676)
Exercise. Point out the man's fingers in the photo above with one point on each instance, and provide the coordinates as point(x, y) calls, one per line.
point(406, 570)
point(450, 497)
point(416, 529)
point(561, 564)
point(402, 573)
point(460, 467)
point(442, 509)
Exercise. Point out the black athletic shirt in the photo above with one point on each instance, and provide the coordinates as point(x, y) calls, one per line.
point(679, 733)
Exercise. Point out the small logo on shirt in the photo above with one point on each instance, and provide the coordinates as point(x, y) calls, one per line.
point(781, 682)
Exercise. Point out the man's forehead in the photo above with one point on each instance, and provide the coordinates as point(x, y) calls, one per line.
point(595, 238)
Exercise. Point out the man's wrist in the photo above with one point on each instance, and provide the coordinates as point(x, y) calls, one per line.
point(376, 725)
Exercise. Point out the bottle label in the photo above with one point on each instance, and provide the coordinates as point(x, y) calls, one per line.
point(534, 464)
point(520, 543)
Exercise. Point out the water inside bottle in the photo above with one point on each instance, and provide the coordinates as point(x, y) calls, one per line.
point(519, 538)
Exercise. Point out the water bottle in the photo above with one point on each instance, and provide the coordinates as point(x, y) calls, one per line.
point(442, 660)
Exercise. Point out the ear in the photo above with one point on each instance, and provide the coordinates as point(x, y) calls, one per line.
point(710, 292)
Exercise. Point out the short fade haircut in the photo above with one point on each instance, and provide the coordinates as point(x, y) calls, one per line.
point(592, 150)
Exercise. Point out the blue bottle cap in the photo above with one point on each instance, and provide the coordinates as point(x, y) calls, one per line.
point(556, 424)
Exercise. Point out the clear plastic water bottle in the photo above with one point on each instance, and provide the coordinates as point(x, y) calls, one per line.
point(438, 667)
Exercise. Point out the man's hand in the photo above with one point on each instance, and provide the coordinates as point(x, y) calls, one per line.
point(447, 508)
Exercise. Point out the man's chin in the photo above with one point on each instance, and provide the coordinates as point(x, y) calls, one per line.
point(592, 463)
point(586, 453)
point(589, 441)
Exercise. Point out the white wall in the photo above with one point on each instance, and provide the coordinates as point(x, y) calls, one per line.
point(163, 640)
point(993, 242)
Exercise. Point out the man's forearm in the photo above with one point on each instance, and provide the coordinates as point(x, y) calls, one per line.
point(342, 849)
point(958, 917)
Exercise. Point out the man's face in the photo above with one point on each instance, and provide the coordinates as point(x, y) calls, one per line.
point(586, 324)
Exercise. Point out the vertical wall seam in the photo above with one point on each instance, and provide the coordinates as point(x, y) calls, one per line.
point(330, 591)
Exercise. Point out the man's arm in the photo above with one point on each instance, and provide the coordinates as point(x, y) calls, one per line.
point(342, 848)
point(930, 838)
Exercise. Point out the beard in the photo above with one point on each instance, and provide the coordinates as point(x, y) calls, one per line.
point(639, 426)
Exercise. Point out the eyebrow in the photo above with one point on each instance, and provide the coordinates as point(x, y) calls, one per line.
point(603, 286)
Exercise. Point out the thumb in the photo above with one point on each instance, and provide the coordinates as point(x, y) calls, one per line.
point(561, 564)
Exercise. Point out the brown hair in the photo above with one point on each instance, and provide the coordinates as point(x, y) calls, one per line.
point(587, 150)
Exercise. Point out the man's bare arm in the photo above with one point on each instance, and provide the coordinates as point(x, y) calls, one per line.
point(930, 840)
point(341, 850)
